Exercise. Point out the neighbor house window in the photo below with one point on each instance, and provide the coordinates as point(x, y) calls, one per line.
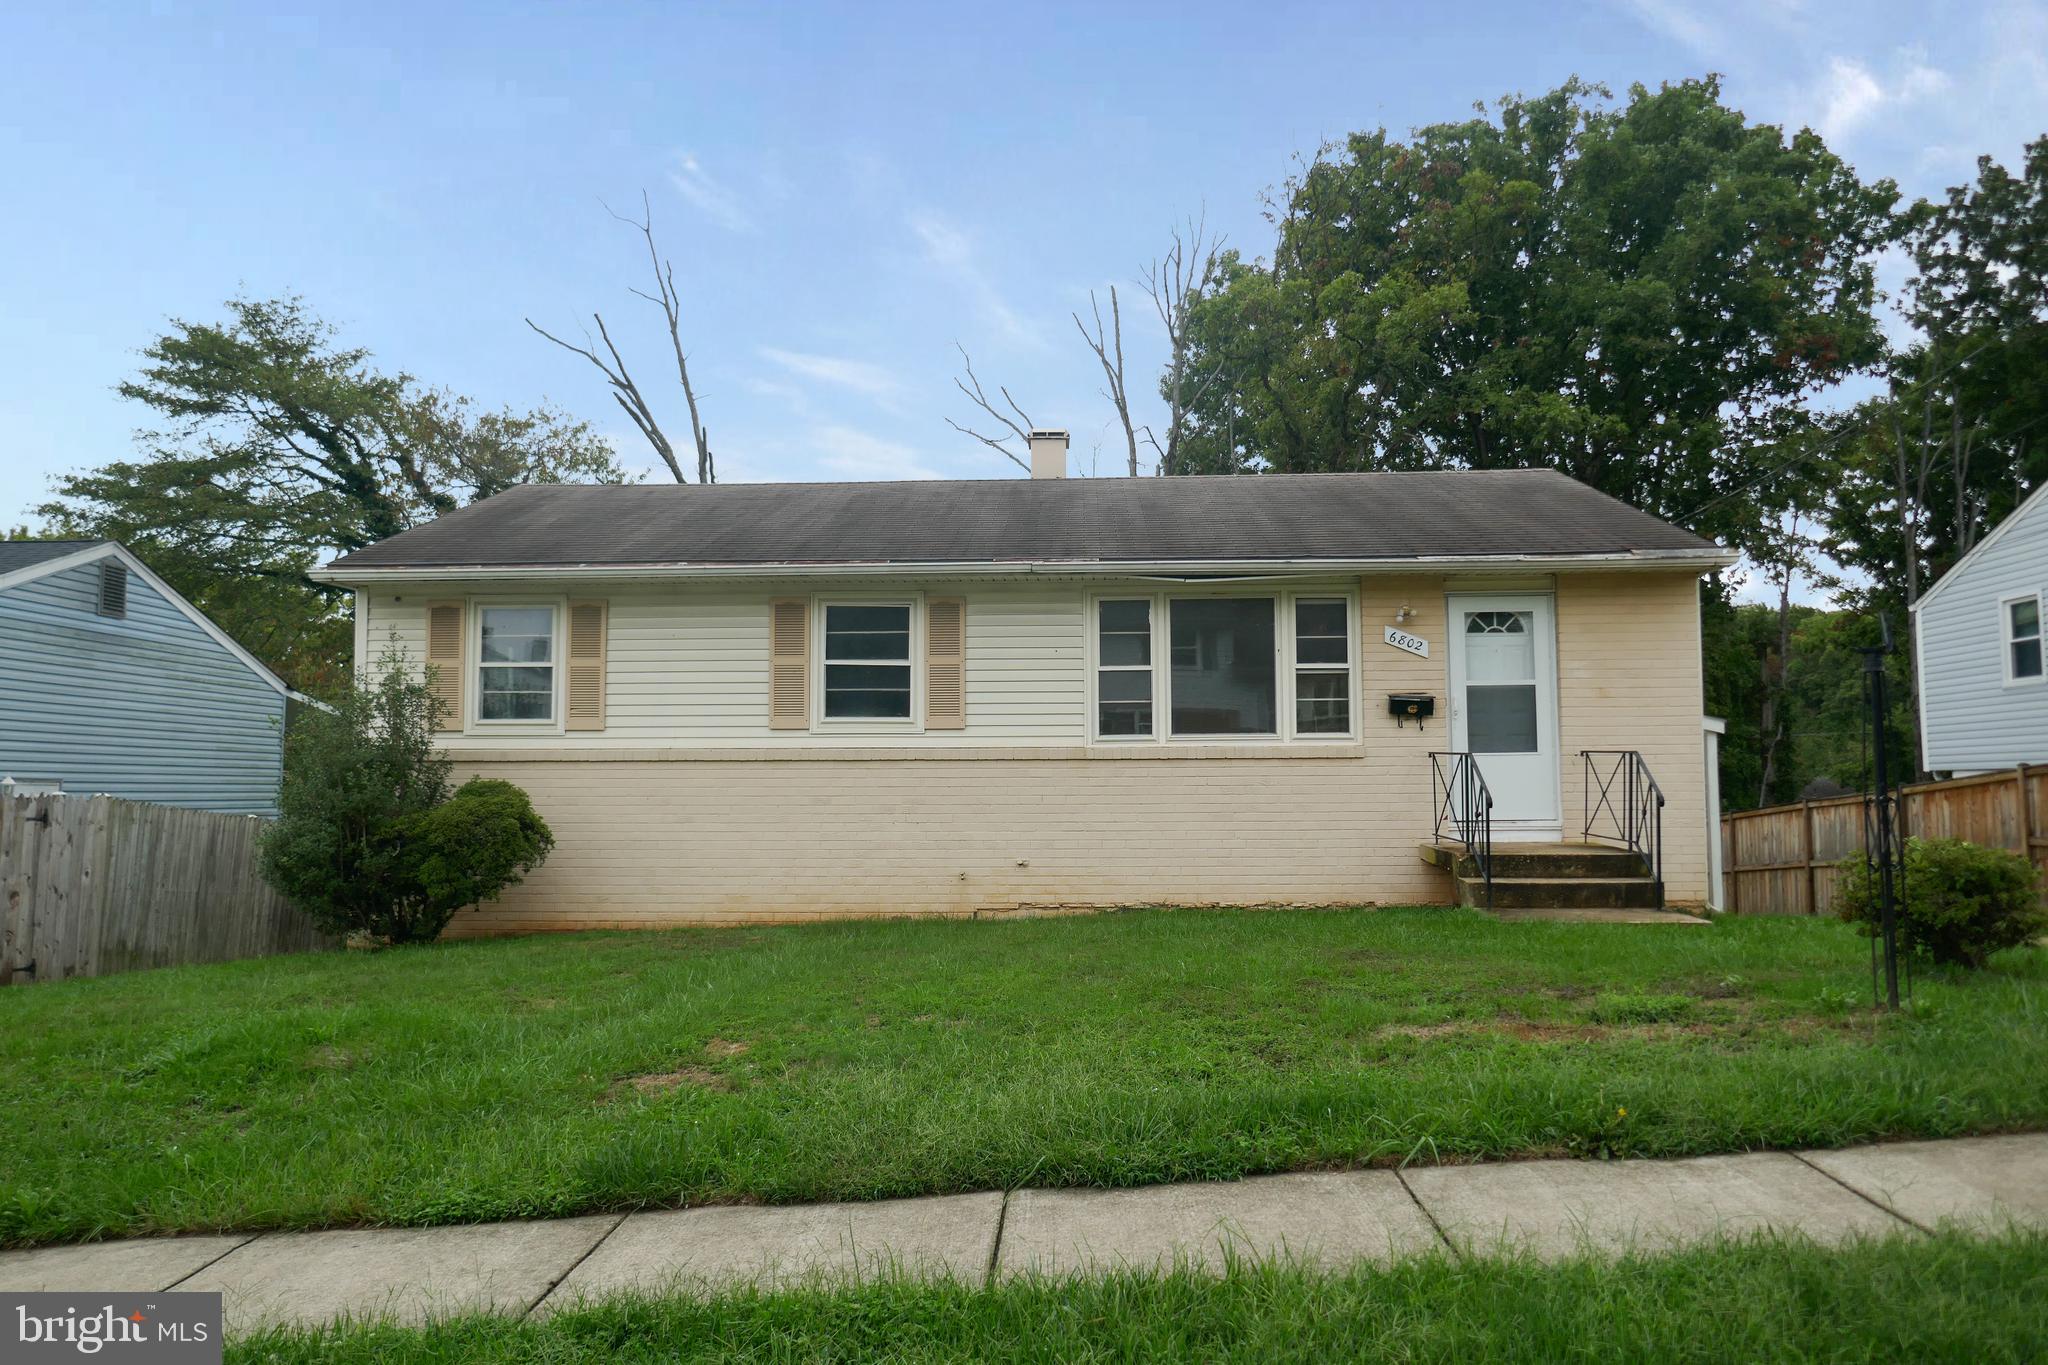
point(867, 661)
point(1222, 676)
point(1322, 667)
point(1123, 668)
point(516, 663)
point(2023, 638)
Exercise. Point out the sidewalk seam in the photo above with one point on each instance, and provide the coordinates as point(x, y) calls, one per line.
point(570, 1269)
point(1914, 1224)
point(1435, 1226)
point(257, 1237)
point(995, 1250)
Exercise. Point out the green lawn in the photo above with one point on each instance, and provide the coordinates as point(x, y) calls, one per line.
point(556, 1075)
point(1942, 1299)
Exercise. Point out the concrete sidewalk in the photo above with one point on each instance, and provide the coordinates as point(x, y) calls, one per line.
point(1323, 1218)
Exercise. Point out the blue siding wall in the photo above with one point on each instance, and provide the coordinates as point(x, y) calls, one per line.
point(148, 707)
point(1972, 720)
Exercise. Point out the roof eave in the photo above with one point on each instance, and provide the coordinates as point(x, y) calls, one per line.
point(1702, 560)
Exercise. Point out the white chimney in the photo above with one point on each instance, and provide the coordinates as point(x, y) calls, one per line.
point(1048, 454)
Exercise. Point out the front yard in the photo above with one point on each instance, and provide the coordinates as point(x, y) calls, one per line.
point(556, 1075)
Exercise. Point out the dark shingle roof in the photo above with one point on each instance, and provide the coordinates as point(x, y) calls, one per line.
point(1179, 520)
point(19, 554)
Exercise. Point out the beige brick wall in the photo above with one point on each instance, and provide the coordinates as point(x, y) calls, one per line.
point(691, 834)
point(1628, 677)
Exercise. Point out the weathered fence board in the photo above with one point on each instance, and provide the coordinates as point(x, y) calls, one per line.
point(93, 885)
point(1782, 860)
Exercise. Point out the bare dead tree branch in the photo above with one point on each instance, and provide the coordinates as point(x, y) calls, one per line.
point(979, 397)
point(1109, 351)
point(670, 302)
point(1176, 282)
point(625, 390)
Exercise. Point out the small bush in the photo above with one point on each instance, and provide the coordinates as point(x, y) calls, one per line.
point(1641, 1009)
point(368, 841)
point(475, 844)
point(1958, 904)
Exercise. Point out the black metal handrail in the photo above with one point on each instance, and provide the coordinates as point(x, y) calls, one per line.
point(1619, 789)
point(1464, 802)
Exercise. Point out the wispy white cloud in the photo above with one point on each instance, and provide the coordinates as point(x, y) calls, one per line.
point(858, 455)
point(1850, 96)
point(712, 197)
point(869, 380)
point(950, 250)
point(1680, 22)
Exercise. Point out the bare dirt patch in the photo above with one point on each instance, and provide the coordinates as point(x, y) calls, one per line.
point(725, 1047)
point(662, 1082)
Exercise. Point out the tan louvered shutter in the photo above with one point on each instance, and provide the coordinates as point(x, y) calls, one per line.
point(789, 664)
point(444, 659)
point(586, 666)
point(945, 664)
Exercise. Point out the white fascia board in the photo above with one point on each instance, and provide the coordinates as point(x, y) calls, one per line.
point(1701, 560)
point(29, 573)
point(111, 550)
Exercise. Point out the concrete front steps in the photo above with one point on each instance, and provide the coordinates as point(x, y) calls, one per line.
point(1571, 880)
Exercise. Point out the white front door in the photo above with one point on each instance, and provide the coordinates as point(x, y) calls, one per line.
point(1503, 662)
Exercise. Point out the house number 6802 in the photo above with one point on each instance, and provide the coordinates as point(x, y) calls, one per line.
point(1414, 644)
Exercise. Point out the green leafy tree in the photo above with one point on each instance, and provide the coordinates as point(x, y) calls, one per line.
point(277, 448)
point(1638, 295)
point(1961, 436)
point(369, 839)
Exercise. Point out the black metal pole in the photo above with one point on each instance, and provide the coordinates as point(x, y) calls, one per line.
point(1883, 834)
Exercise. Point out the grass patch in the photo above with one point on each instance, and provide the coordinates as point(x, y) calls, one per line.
point(1948, 1298)
point(556, 1075)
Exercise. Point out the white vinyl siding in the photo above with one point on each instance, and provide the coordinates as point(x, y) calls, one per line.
point(688, 664)
point(1976, 714)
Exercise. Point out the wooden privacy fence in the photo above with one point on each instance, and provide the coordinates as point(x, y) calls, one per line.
point(1781, 860)
point(94, 885)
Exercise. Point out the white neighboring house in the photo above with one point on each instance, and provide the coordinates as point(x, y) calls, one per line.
point(1980, 651)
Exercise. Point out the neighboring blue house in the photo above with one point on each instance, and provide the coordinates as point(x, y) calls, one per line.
point(111, 682)
point(1981, 635)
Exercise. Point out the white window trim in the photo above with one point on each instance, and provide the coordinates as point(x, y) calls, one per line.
point(473, 687)
point(1352, 644)
point(2006, 639)
point(1284, 599)
point(912, 724)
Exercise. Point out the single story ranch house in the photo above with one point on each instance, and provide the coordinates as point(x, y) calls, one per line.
point(773, 702)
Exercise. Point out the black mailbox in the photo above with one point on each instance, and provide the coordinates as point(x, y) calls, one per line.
point(1407, 706)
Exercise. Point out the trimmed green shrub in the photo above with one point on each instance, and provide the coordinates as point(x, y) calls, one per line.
point(368, 840)
point(1958, 904)
point(475, 844)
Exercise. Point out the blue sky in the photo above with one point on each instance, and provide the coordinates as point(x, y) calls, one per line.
point(846, 190)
